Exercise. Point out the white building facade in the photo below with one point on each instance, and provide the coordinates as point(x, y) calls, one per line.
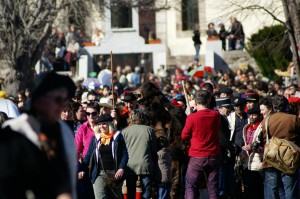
point(173, 27)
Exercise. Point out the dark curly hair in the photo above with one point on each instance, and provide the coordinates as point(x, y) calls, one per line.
point(280, 103)
point(267, 102)
point(139, 117)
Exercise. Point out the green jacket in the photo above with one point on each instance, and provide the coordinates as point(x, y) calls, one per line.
point(141, 146)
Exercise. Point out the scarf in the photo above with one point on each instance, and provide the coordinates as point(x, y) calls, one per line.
point(253, 127)
point(105, 138)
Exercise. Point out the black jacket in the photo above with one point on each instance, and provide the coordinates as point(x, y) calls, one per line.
point(227, 147)
point(196, 38)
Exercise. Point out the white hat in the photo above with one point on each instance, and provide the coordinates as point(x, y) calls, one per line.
point(84, 97)
point(106, 102)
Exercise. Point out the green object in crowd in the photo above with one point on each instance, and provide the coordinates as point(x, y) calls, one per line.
point(93, 74)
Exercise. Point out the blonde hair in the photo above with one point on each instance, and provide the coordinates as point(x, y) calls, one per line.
point(111, 128)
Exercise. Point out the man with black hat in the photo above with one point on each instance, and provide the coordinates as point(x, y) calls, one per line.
point(252, 100)
point(225, 92)
point(226, 169)
point(130, 101)
point(253, 154)
point(237, 120)
point(36, 149)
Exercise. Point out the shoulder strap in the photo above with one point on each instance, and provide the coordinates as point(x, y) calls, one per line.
point(100, 159)
point(101, 162)
point(91, 158)
point(267, 128)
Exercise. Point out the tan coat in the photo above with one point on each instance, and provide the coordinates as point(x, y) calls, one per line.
point(283, 126)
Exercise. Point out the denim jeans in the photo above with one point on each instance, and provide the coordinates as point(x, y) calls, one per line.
point(226, 179)
point(197, 49)
point(273, 179)
point(163, 191)
point(231, 43)
point(197, 167)
point(146, 181)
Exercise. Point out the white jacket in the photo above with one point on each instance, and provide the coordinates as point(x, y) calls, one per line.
point(231, 119)
point(254, 159)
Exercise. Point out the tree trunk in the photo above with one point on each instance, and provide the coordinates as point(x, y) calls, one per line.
point(22, 69)
point(18, 75)
point(292, 15)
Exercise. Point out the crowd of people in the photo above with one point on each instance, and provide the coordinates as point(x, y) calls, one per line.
point(62, 50)
point(160, 136)
point(235, 36)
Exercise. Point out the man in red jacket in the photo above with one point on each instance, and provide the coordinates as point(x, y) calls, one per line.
point(202, 129)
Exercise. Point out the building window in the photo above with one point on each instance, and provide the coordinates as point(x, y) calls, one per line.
point(121, 16)
point(190, 14)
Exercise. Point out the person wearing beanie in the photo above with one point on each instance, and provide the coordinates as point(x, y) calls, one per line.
point(36, 149)
point(253, 154)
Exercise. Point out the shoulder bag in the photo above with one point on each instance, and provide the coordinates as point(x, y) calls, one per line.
point(109, 180)
point(281, 154)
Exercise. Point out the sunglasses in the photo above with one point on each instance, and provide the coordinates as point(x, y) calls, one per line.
point(92, 113)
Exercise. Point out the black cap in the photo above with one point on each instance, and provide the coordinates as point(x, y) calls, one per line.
point(254, 110)
point(239, 101)
point(104, 118)
point(225, 89)
point(127, 97)
point(223, 101)
point(252, 97)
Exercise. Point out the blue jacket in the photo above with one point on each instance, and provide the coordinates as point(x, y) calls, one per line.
point(120, 155)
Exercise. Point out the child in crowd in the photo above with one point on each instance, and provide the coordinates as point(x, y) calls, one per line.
point(164, 173)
